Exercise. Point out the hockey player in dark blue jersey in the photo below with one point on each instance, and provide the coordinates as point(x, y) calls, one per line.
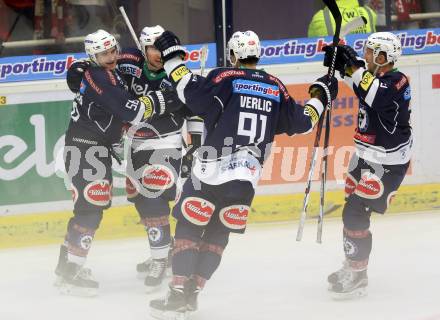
point(243, 109)
point(158, 149)
point(383, 141)
point(101, 108)
point(154, 149)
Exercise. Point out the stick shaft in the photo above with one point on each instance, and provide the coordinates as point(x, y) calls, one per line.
point(130, 28)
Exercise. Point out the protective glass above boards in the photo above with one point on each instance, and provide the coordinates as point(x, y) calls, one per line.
point(34, 27)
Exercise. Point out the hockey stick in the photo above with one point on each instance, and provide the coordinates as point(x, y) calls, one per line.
point(203, 57)
point(352, 25)
point(187, 157)
point(333, 7)
point(130, 28)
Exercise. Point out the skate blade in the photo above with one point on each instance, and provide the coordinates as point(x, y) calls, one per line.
point(70, 290)
point(355, 294)
point(168, 315)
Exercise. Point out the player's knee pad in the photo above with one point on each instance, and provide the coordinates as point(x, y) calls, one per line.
point(88, 219)
point(151, 207)
point(355, 215)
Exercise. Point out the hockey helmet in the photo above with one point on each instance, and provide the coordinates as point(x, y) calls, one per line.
point(385, 42)
point(149, 35)
point(244, 45)
point(97, 42)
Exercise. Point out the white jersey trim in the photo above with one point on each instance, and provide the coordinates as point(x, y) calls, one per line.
point(240, 165)
point(369, 99)
point(397, 155)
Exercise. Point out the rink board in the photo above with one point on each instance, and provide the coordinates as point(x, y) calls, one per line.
point(123, 221)
point(35, 205)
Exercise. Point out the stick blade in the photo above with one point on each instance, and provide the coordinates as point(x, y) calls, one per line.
point(353, 24)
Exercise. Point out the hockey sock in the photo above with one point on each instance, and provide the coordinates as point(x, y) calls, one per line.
point(357, 247)
point(184, 257)
point(208, 259)
point(79, 242)
point(158, 230)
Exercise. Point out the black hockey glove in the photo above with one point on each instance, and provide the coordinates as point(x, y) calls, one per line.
point(160, 102)
point(323, 89)
point(169, 46)
point(75, 74)
point(346, 58)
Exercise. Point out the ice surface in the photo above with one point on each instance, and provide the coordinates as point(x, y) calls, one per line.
point(265, 274)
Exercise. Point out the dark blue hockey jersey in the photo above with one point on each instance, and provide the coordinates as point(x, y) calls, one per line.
point(383, 134)
point(102, 107)
point(140, 81)
point(242, 108)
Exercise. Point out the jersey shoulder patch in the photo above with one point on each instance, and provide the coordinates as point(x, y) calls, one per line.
point(218, 75)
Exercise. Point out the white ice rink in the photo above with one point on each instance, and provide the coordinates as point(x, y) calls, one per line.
point(265, 274)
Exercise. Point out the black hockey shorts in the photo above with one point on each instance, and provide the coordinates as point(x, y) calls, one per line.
point(225, 206)
point(373, 185)
point(153, 174)
point(88, 165)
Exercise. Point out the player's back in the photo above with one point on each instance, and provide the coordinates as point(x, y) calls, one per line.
point(249, 103)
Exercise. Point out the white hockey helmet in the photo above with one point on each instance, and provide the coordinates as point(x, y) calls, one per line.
point(97, 42)
point(149, 35)
point(244, 45)
point(385, 42)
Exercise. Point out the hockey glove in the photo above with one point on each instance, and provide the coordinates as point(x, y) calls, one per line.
point(328, 56)
point(75, 74)
point(159, 103)
point(346, 59)
point(169, 46)
point(324, 90)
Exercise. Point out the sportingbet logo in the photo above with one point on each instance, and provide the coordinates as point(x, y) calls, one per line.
point(257, 89)
point(31, 70)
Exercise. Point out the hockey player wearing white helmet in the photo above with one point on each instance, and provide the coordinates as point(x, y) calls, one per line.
point(383, 141)
point(155, 149)
point(151, 54)
point(102, 106)
point(243, 109)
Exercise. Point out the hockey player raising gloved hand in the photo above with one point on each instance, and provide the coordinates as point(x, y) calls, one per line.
point(347, 59)
point(101, 108)
point(160, 152)
point(383, 141)
point(243, 109)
